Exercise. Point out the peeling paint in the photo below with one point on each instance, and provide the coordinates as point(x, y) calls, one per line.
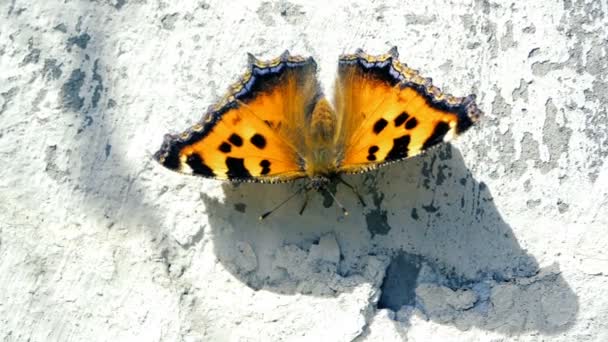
point(555, 137)
point(70, 91)
point(399, 284)
point(81, 41)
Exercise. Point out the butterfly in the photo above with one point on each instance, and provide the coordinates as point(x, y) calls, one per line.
point(276, 125)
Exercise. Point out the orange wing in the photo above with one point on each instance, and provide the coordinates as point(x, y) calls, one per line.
point(387, 112)
point(254, 133)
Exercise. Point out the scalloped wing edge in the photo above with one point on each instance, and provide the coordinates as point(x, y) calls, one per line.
point(467, 110)
point(465, 107)
point(168, 154)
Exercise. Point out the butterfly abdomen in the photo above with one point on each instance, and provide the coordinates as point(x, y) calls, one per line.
point(322, 123)
point(320, 140)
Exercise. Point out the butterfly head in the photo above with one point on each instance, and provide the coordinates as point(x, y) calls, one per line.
point(318, 183)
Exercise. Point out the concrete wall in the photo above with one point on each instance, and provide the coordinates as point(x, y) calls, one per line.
point(501, 236)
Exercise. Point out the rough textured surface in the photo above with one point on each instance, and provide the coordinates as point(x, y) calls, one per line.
point(502, 236)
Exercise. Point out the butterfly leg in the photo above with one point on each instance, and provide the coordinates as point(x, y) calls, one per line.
point(305, 203)
point(338, 203)
point(353, 190)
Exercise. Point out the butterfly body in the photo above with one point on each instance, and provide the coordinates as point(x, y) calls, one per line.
point(275, 124)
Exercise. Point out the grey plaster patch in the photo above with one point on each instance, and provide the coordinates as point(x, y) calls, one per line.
point(542, 68)
point(427, 171)
point(528, 185)
point(596, 124)
point(530, 29)
point(99, 87)
point(533, 53)
point(52, 169)
point(400, 280)
point(507, 41)
point(107, 150)
point(418, 19)
point(529, 148)
point(292, 13)
point(38, 99)
point(118, 4)
point(468, 21)
point(61, 28)
point(488, 28)
point(446, 66)
point(7, 98)
point(70, 91)
point(555, 137)
point(52, 70)
point(264, 13)
point(380, 12)
point(414, 214)
point(562, 206)
point(473, 45)
point(81, 41)
point(506, 142)
point(597, 60)
point(521, 92)
point(529, 152)
point(377, 219)
point(13, 10)
point(442, 174)
point(431, 208)
point(532, 204)
point(33, 55)
point(11, 7)
point(240, 207)
point(168, 21)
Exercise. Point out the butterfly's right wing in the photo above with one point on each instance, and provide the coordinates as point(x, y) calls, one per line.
point(387, 112)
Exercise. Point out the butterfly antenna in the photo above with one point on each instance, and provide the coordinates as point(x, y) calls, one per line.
point(265, 215)
point(344, 211)
point(353, 190)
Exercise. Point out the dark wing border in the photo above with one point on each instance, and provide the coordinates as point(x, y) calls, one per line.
point(388, 68)
point(260, 75)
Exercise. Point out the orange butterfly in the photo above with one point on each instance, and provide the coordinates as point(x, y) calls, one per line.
point(275, 124)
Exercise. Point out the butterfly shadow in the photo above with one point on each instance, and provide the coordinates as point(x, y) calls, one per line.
point(430, 238)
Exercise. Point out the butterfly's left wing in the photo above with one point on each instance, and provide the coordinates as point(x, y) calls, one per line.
point(387, 112)
point(255, 132)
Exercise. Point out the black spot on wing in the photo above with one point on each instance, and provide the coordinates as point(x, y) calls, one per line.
point(236, 168)
point(400, 148)
point(258, 141)
point(379, 125)
point(399, 120)
point(265, 164)
point(225, 147)
point(411, 123)
point(198, 166)
point(372, 153)
point(236, 140)
point(437, 137)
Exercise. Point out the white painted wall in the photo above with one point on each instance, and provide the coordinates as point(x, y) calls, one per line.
point(501, 237)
